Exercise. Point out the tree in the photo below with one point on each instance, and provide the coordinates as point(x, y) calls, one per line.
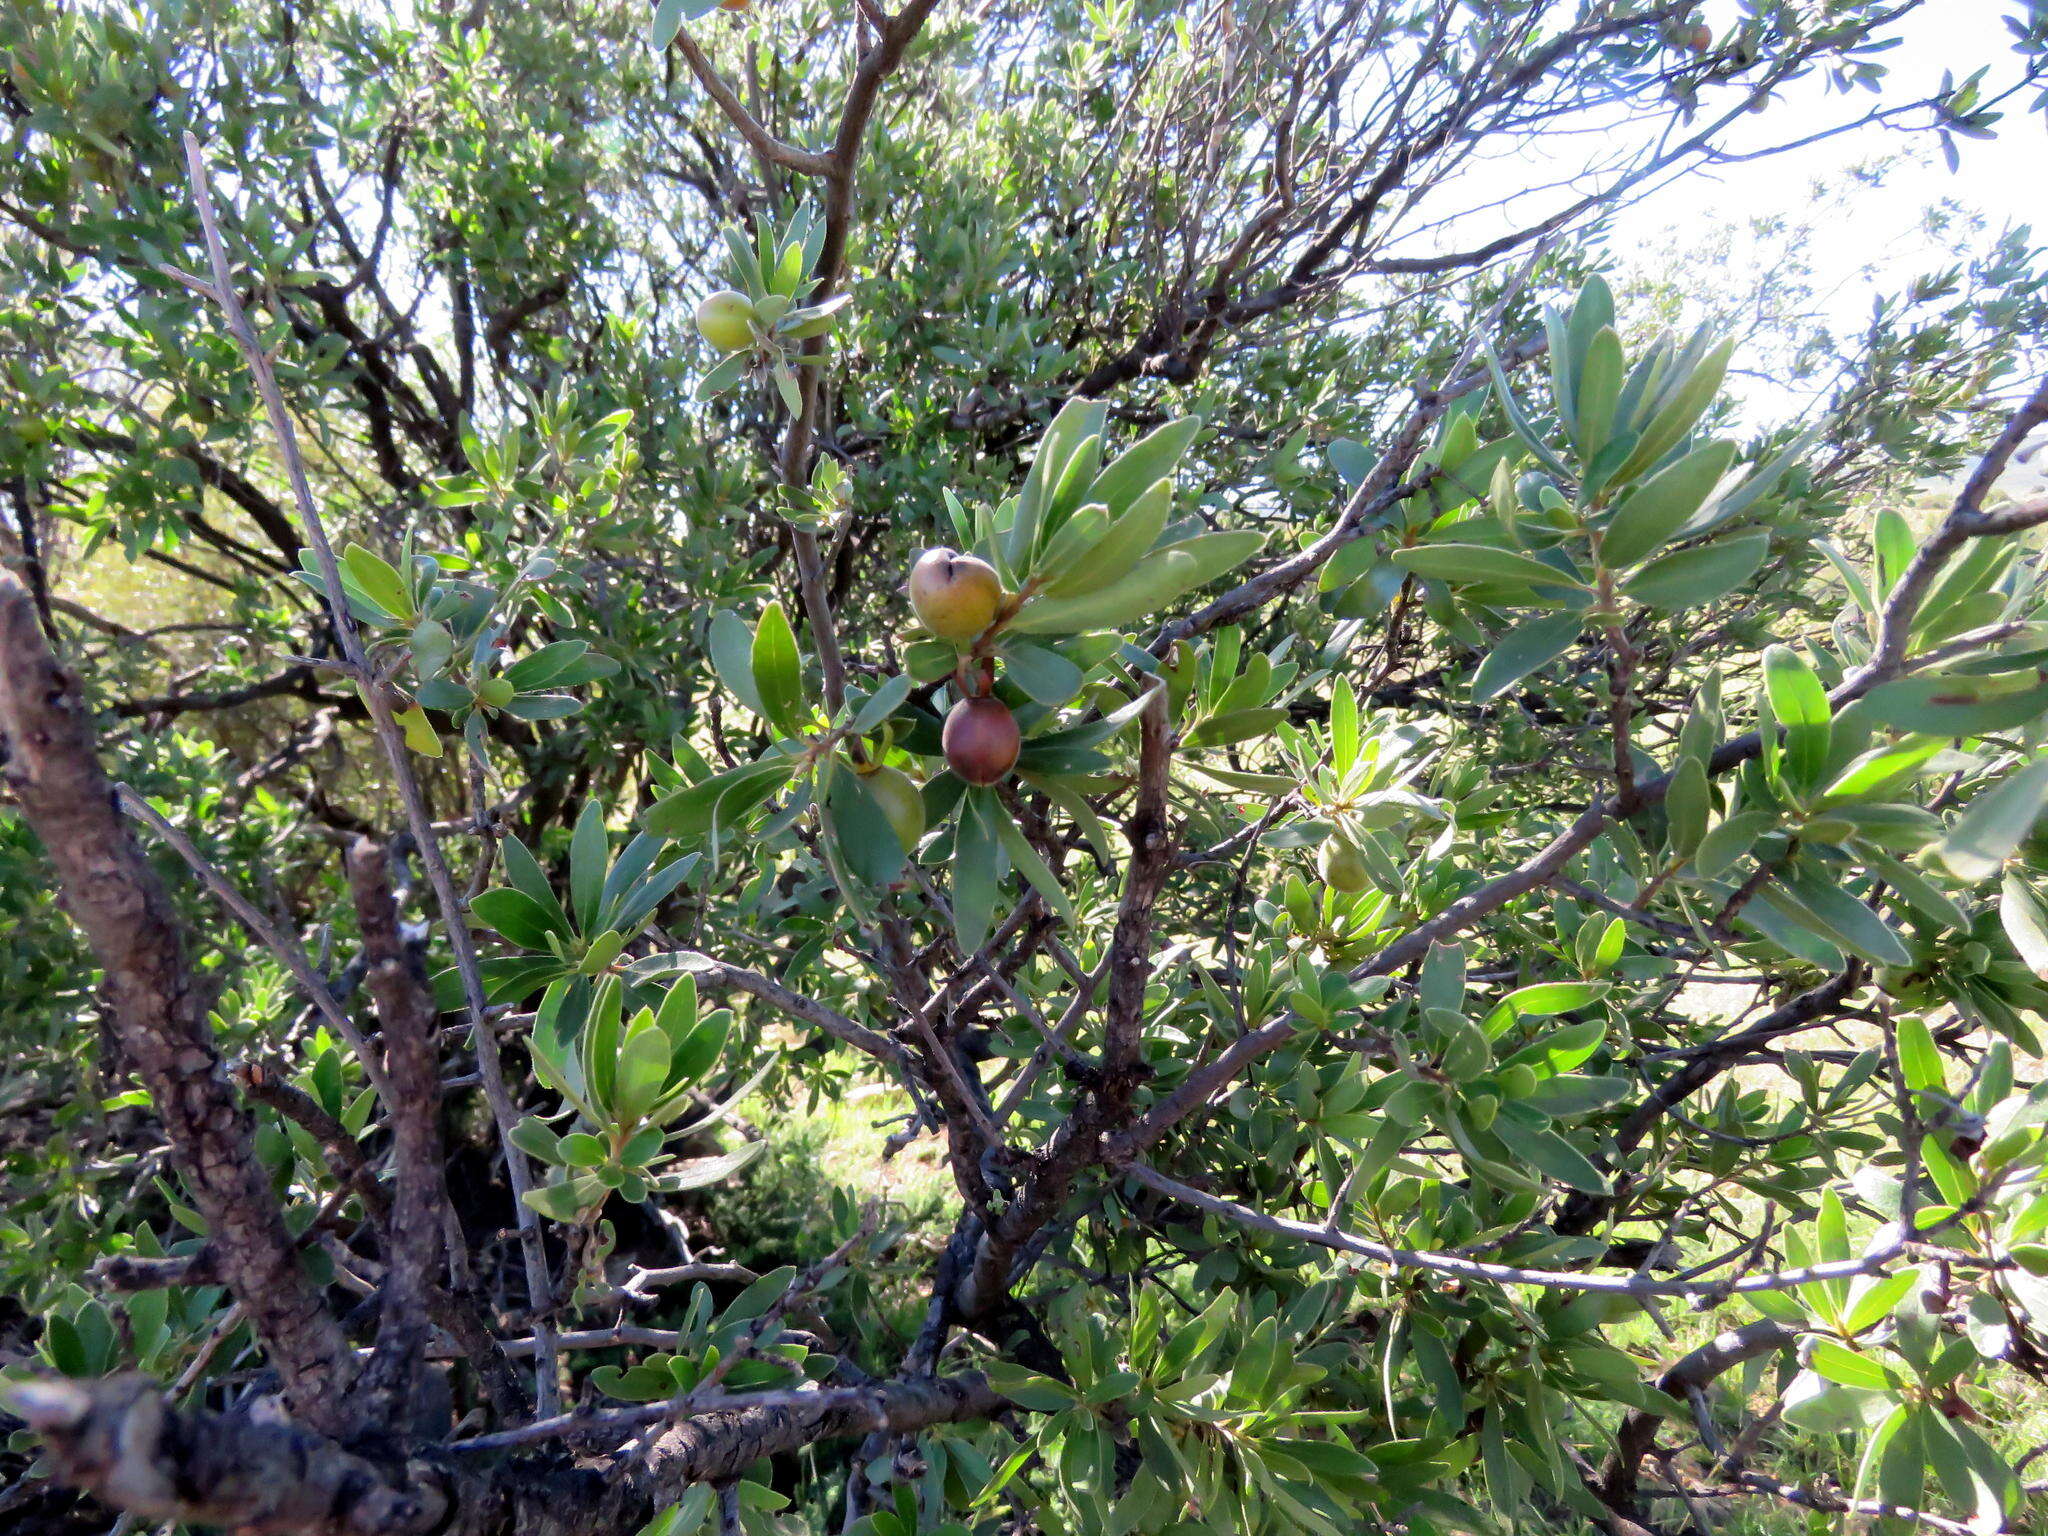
point(1278, 849)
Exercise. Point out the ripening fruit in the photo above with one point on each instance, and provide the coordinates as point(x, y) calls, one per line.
point(981, 739)
point(955, 596)
point(1700, 37)
point(726, 320)
point(1517, 1081)
point(1341, 865)
point(734, 5)
point(896, 793)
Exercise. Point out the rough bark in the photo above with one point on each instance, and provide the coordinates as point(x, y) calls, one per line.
point(716, 1446)
point(119, 1440)
point(158, 1009)
point(414, 1238)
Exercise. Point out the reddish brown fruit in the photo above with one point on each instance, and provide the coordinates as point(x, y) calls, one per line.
point(981, 740)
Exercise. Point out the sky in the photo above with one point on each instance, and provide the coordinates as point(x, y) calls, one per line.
point(1860, 240)
point(2005, 178)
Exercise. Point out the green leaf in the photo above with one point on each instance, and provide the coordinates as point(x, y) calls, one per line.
point(728, 372)
point(1892, 538)
point(1028, 1389)
point(2025, 923)
point(1844, 1365)
point(527, 876)
point(376, 580)
point(719, 801)
point(1528, 647)
point(543, 706)
point(566, 1201)
point(1662, 505)
point(732, 647)
point(1151, 458)
point(1519, 420)
point(778, 670)
point(1465, 563)
point(420, 734)
point(1238, 725)
point(1572, 1093)
point(1920, 1066)
point(1800, 705)
point(1820, 900)
point(1992, 825)
point(1025, 857)
point(867, 842)
point(516, 916)
point(1544, 999)
point(1683, 406)
point(532, 1137)
point(589, 860)
point(1690, 578)
point(1872, 1297)
point(1597, 390)
point(696, 1172)
point(1046, 676)
point(1955, 705)
point(1883, 768)
point(1728, 841)
point(1111, 558)
point(883, 702)
point(1686, 806)
point(975, 875)
point(1562, 1161)
point(1157, 580)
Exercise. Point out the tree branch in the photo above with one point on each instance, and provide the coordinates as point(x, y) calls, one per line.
point(159, 1008)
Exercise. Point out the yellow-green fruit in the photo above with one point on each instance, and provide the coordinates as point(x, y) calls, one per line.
point(955, 596)
point(897, 794)
point(726, 320)
point(1342, 866)
point(495, 691)
point(1518, 1081)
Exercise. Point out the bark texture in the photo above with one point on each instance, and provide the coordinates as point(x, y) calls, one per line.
point(158, 1009)
point(118, 1439)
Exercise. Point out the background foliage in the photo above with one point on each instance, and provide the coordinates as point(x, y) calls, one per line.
point(1512, 857)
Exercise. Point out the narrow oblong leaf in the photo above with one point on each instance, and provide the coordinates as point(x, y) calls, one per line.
point(1800, 704)
point(1461, 563)
point(1155, 581)
point(778, 669)
point(1992, 825)
point(1950, 705)
point(1029, 864)
point(1528, 647)
point(1663, 504)
point(1151, 458)
point(1689, 578)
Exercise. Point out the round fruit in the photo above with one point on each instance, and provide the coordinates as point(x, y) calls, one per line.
point(495, 691)
point(1700, 38)
point(726, 320)
point(955, 596)
point(734, 5)
point(1341, 865)
point(981, 740)
point(1517, 1081)
point(896, 793)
